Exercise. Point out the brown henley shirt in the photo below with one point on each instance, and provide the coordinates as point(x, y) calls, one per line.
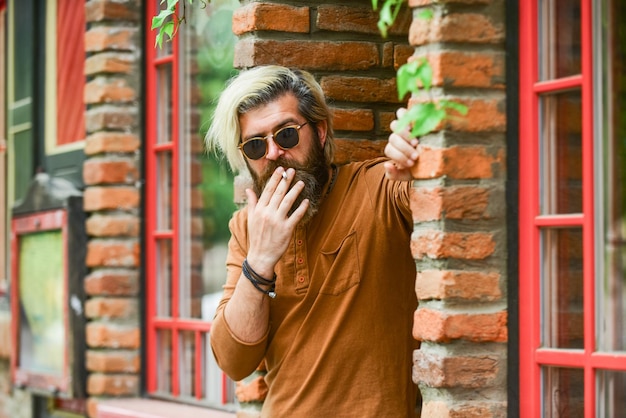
point(339, 342)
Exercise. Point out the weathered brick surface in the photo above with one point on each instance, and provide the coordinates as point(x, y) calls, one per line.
point(113, 361)
point(114, 198)
point(473, 28)
point(110, 63)
point(441, 326)
point(113, 384)
point(110, 171)
point(447, 371)
point(112, 253)
point(451, 409)
point(113, 225)
point(360, 89)
point(104, 90)
point(112, 282)
point(458, 285)
point(109, 308)
point(102, 38)
point(254, 390)
point(115, 142)
point(112, 335)
point(271, 17)
point(436, 244)
point(353, 119)
point(120, 10)
point(357, 150)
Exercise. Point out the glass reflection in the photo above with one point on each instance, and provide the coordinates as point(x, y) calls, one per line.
point(206, 192)
point(563, 392)
point(611, 394)
point(611, 290)
point(561, 153)
point(559, 39)
point(562, 288)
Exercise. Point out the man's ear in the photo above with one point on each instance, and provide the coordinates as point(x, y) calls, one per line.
point(322, 129)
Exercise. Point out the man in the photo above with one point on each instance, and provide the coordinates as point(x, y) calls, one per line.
point(320, 276)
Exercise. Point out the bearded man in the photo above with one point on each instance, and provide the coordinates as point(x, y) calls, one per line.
point(320, 279)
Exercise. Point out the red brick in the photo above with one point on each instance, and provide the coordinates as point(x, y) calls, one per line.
point(483, 115)
point(456, 27)
point(101, 142)
point(467, 69)
point(102, 90)
point(458, 162)
point(337, 18)
point(92, 407)
point(113, 385)
point(111, 335)
point(348, 150)
point(460, 245)
point(100, 10)
point(106, 307)
point(108, 117)
point(441, 326)
point(112, 282)
point(466, 202)
point(110, 253)
point(113, 361)
point(401, 55)
point(113, 225)
point(464, 409)
point(271, 17)
point(110, 198)
point(110, 63)
point(353, 119)
point(385, 119)
point(426, 204)
point(445, 371)
point(103, 38)
point(109, 171)
point(360, 89)
point(253, 391)
point(308, 55)
point(449, 284)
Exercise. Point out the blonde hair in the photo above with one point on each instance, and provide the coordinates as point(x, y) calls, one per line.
point(257, 87)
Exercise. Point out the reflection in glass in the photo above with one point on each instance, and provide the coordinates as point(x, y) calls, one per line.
point(563, 392)
point(561, 153)
point(164, 360)
point(186, 365)
point(611, 233)
point(164, 103)
point(559, 39)
point(164, 191)
point(611, 393)
point(562, 288)
point(206, 183)
point(164, 277)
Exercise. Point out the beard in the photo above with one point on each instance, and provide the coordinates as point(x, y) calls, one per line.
point(313, 173)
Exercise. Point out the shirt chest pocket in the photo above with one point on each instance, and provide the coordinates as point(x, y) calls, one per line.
point(340, 265)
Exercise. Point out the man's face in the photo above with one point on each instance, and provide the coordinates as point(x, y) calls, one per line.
point(307, 158)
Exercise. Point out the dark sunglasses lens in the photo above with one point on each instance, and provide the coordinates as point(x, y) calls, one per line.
point(255, 148)
point(287, 138)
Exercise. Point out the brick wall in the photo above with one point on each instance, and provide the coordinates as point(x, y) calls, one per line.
point(459, 241)
point(112, 197)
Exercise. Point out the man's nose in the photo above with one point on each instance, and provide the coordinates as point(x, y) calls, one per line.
point(273, 150)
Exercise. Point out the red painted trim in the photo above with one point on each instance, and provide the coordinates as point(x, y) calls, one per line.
point(565, 83)
point(588, 205)
point(529, 371)
point(556, 221)
point(182, 324)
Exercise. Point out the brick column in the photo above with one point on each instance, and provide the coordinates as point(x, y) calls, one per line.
point(458, 202)
point(112, 197)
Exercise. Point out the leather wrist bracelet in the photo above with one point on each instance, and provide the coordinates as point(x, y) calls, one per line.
point(258, 281)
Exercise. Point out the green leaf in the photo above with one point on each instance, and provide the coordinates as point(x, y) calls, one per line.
point(375, 4)
point(424, 117)
point(425, 14)
point(458, 107)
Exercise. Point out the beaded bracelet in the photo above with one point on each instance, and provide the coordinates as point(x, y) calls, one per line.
point(257, 280)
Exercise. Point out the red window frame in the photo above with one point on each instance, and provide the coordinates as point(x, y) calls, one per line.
point(532, 356)
point(175, 324)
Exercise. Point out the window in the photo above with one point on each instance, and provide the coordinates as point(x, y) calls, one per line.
point(45, 79)
point(189, 197)
point(572, 215)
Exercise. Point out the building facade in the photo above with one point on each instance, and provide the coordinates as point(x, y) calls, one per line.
point(113, 216)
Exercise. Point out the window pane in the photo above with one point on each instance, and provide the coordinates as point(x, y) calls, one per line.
point(186, 364)
point(563, 392)
point(559, 39)
point(561, 154)
point(164, 359)
point(164, 191)
point(611, 394)
point(166, 47)
point(206, 192)
point(562, 289)
point(164, 103)
point(612, 232)
point(164, 277)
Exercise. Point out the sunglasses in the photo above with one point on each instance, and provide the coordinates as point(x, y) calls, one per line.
point(286, 138)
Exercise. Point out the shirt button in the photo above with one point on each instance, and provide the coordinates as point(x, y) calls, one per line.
point(299, 242)
point(300, 260)
point(301, 279)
